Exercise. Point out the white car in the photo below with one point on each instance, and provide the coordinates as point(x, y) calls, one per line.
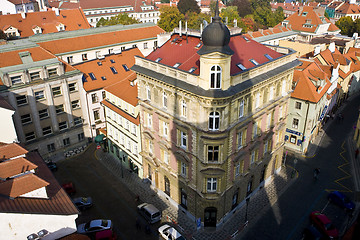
point(94, 226)
point(170, 233)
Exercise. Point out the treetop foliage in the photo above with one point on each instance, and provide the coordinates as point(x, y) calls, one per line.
point(122, 18)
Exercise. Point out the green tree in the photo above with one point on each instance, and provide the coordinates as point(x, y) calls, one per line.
point(2, 35)
point(243, 7)
point(346, 25)
point(195, 20)
point(278, 15)
point(169, 18)
point(165, 1)
point(185, 6)
point(356, 26)
point(230, 13)
point(122, 18)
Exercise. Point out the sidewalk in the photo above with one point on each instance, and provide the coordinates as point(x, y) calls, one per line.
point(264, 197)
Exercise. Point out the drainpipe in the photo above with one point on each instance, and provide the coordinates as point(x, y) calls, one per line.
point(307, 112)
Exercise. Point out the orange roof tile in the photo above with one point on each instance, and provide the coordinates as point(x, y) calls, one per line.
point(14, 167)
point(104, 70)
point(348, 8)
point(101, 39)
point(305, 88)
point(124, 90)
point(73, 19)
point(11, 150)
point(121, 112)
point(18, 186)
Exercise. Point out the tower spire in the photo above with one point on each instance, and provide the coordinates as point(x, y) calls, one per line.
point(217, 14)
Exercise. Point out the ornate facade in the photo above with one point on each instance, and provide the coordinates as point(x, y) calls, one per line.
point(213, 113)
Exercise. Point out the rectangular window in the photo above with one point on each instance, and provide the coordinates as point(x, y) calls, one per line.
point(56, 91)
point(183, 140)
point(149, 120)
point(47, 130)
point(295, 123)
point(43, 114)
point(271, 93)
point(84, 57)
point(280, 112)
point(183, 169)
point(94, 98)
point(21, 100)
point(15, 80)
point(257, 100)
point(39, 95)
point(52, 72)
point(255, 129)
point(211, 184)
point(241, 108)
point(51, 147)
point(150, 147)
point(92, 76)
point(148, 93)
point(252, 160)
point(96, 115)
point(166, 156)
point(213, 153)
point(63, 125)
point(75, 104)
point(298, 105)
point(103, 93)
point(240, 139)
point(77, 121)
point(66, 142)
point(81, 137)
point(113, 70)
point(26, 119)
point(183, 108)
point(59, 109)
point(164, 99)
point(72, 87)
point(126, 67)
point(145, 45)
point(30, 136)
point(237, 169)
point(165, 129)
point(35, 76)
point(70, 59)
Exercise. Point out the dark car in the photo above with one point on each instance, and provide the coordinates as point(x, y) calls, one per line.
point(52, 166)
point(105, 235)
point(341, 200)
point(83, 203)
point(69, 188)
point(94, 226)
point(311, 233)
point(324, 225)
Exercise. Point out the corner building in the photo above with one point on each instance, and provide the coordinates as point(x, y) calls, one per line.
point(213, 114)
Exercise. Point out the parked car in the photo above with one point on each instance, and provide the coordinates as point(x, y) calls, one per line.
point(52, 166)
point(341, 200)
point(105, 235)
point(168, 232)
point(149, 212)
point(311, 233)
point(94, 226)
point(324, 225)
point(69, 188)
point(83, 203)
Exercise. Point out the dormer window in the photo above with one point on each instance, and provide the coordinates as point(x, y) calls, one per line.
point(92, 76)
point(158, 59)
point(242, 67)
point(215, 77)
point(60, 27)
point(176, 65)
point(37, 30)
point(192, 69)
point(16, 79)
point(268, 56)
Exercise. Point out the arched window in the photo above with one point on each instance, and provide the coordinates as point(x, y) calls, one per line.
point(215, 77)
point(214, 120)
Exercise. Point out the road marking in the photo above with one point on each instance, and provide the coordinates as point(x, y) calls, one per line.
point(305, 215)
point(347, 175)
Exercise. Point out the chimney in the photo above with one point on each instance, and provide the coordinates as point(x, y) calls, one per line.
point(201, 28)
point(186, 27)
point(180, 27)
point(56, 10)
point(316, 50)
point(23, 15)
point(332, 47)
point(235, 22)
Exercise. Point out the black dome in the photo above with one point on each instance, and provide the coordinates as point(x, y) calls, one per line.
point(216, 36)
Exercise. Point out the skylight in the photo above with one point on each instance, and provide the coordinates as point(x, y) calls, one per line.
point(192, 69)
point(253, 62)
point(246, 39)
point(176, 65)
point(113, 70)
point(126, 67)
point(268, 56)
point(112, 60)
point(242, 67)
point(158, 59)
point(92, 76)
point(199, 45)
point(103, 78)
point(99, 63)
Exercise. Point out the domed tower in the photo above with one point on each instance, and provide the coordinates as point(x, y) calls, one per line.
point(215, 54)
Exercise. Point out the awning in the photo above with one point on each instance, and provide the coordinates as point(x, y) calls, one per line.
point(99, 138)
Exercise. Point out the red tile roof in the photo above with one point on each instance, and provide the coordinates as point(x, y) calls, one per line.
point(15, 166)
point(57, 203)
point(72, 19)
point(101, 39)
point(124, 90)
point(11, 150)
point(267, 32)
point(308, 15)
point(121, 112)
point(348, 8)
point(305, 75)
point(125, 58)
point(185, 52)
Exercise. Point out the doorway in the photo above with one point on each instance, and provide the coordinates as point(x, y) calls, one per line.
point(210, 217)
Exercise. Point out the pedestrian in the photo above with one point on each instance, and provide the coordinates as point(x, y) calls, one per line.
point(356, 153)
point(147, 229)
point(316, 173)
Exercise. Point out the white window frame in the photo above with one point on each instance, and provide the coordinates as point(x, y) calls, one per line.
point(271, 93)
point(183, 169)
point(295, 123)
point(148, 93)
point(183, 109)
point(183, 139)
point(214, 117)
point(165, 100)
point(215, 77)
point(241, 108)
point(211, 185)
